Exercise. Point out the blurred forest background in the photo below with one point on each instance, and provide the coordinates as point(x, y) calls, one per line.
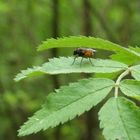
point(24, 24)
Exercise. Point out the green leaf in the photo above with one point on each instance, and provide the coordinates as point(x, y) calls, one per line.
point(131, 88)
point(67, 103)
point(91, 42)
point(120, 119)
point(107, 75)
point(64, 65)
point(135, 49)
point(125, 58)
point(135, 72)
point(30, 72)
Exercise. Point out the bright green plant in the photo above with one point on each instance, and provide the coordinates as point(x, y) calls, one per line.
point(119, 117)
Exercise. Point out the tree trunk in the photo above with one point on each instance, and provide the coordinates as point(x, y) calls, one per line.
point(54, 53)
point(87, 28)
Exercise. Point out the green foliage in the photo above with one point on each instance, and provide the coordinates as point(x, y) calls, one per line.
point(135, 72)
point(120, 119)
point(135, 49)
point(64, 65)
point(126, 58)
point(91, 42)
point(107, 75)
point(24, 24)
point(67, 103)
point(131, 88)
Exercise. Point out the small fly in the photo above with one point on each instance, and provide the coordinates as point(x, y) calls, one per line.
point(84, 53)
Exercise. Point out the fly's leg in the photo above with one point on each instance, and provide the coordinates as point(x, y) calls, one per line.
point(81, 61)
point(74, 60)
point(91, 62)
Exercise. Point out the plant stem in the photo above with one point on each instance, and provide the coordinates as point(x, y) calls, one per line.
point(126, 72)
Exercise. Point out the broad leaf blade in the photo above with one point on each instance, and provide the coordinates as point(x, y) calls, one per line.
point(107, 75)
point(30, 72)
point(120, 119)
point(80, 41)
point(91, 42)
point(69, 102)
point(64, 65)
point(135, 49)
point(125, 58)
point(135, 72)
point(131, 88)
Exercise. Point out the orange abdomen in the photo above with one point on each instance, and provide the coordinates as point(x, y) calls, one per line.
point(88, 54)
